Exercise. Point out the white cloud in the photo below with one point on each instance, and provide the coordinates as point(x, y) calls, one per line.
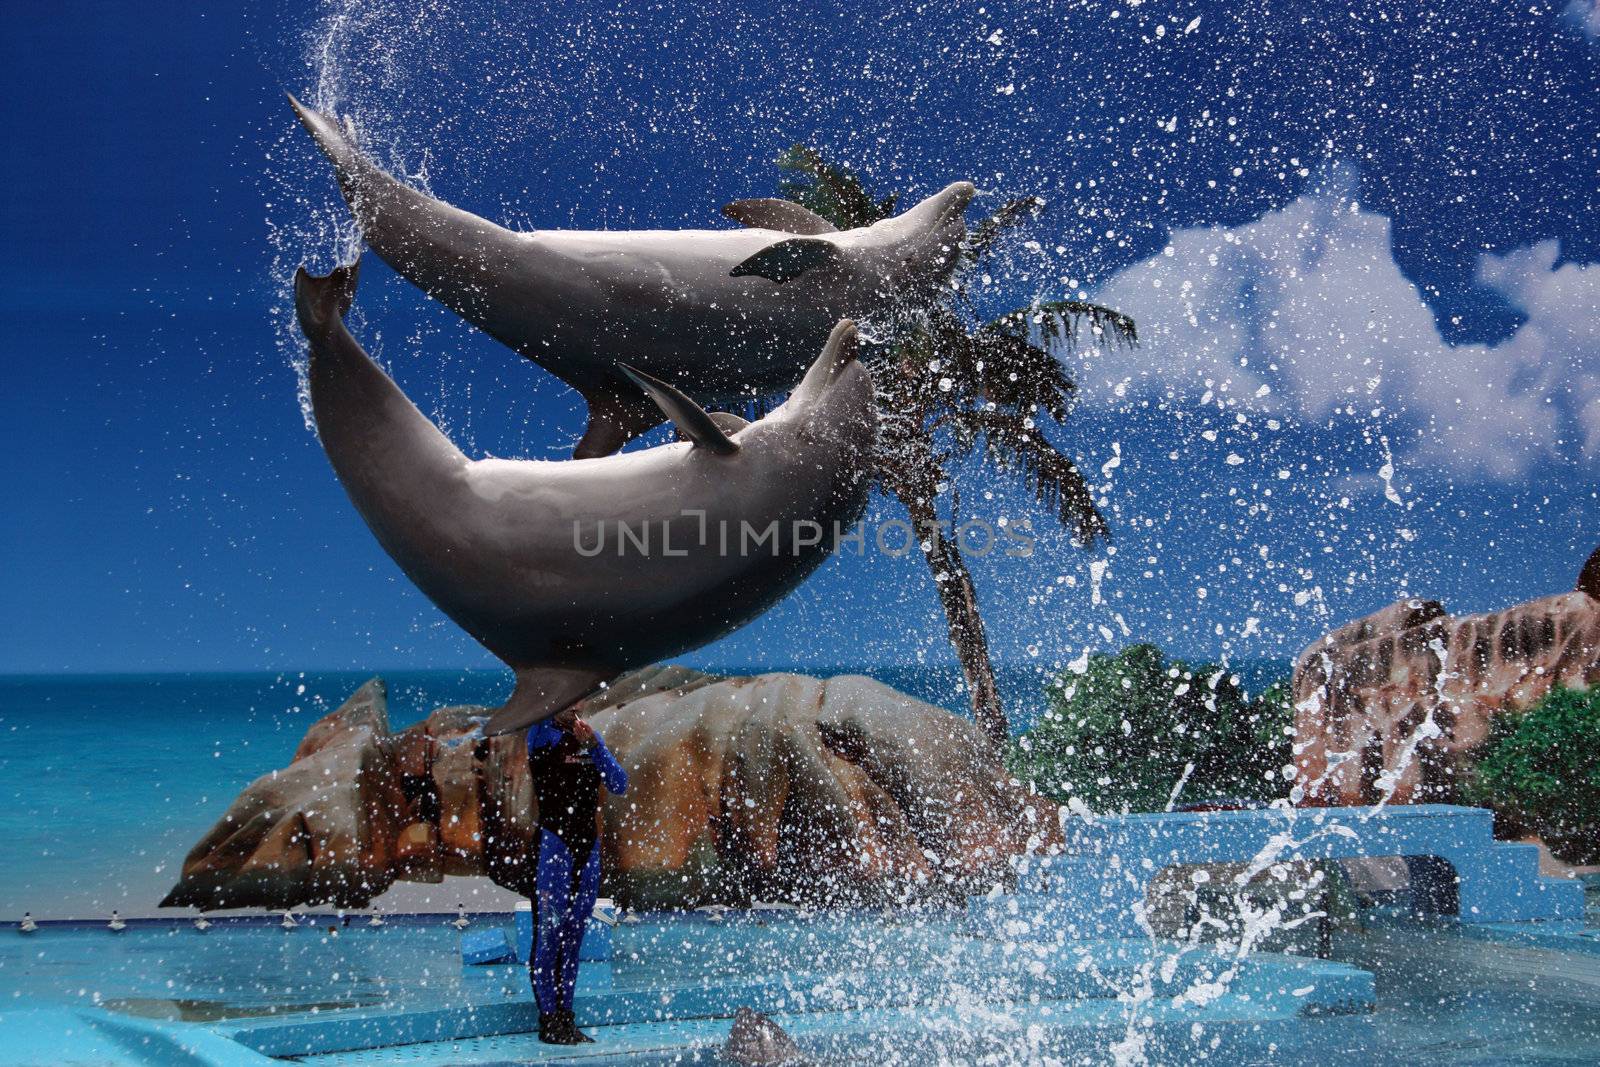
point(1585, 15)
point(1562, 334)
point(1305, 314)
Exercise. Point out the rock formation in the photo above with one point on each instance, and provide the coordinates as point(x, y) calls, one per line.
point(1392, 706)
point(775, 787)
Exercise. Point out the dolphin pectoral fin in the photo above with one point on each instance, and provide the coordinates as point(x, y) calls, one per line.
point(690, 418)
point(320, 302)
point(787, 260)
point(543, 691)
point(771, 214)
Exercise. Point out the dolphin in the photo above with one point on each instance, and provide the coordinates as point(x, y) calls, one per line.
point(574, 572)
point(722, 314)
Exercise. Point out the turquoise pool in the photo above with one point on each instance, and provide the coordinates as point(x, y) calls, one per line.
point(865, 987)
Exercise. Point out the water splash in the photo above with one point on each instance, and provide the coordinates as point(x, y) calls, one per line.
point(358, 58)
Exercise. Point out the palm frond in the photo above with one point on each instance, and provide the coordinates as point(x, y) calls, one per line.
point(909, 375)
point(1020, 376)
point(971, 385)
point(1013, 212)
point(1063, 321)
point(907, 465)
point(949, 385)
point(832, 192)
point(1014, 444)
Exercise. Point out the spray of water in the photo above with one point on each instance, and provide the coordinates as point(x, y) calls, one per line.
point(393, 69)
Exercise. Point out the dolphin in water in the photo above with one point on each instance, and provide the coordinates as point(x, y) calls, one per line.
point(574, 572)
point(722, 314)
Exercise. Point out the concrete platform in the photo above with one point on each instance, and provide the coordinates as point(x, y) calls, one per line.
point(1565, 936)
point(1027, 1034)
point(1081, 984)
point(1096, 887)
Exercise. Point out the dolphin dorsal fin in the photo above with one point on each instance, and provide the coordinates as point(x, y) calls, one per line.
point(690, 418)
point(728, 422)
point(771, 214)
point(787, 260)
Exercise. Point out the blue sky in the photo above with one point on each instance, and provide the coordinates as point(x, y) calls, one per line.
point(1359, 239)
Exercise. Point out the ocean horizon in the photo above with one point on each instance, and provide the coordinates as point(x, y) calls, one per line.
point(111, 778)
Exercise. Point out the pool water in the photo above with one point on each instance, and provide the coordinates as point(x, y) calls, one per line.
point(1445, 998)
point(233, 970)
point(242, 968)
point(1442, 997)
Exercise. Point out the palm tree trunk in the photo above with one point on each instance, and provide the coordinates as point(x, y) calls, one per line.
point(960, 601)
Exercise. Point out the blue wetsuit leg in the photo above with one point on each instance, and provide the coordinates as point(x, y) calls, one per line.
point(583, 898)
point(554, 886)
point(564, 897)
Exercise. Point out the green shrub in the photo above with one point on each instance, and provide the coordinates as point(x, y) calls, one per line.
point(1541, 770)
point(1123, 734)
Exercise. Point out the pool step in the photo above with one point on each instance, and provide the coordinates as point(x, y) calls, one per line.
point(976, 974)
point(1097, 886)
point(1560, 935)
point(1225, 1030)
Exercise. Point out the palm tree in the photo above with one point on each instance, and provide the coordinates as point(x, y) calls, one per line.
point(950, 385)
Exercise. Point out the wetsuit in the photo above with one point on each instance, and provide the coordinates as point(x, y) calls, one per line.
point(566, 783)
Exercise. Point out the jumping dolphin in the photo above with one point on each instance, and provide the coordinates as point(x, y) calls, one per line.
point(573, 572)
point(722, 314)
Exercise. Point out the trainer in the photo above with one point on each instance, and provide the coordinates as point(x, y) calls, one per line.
point(568, 762)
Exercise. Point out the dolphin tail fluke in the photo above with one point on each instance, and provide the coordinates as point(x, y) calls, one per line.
point(321, 302)
point(410, 230)
point(543, 691)
point(474, 267)
point(356, 174)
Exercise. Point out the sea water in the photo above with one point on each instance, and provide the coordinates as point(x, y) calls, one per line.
point(106, 781)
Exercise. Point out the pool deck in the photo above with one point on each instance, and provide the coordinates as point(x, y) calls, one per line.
point(1102, 877)
point(1558, 935)
point(1076, 990)
point(1019, 976)
point(970, 1000)
point(1035, 1028)
point(1062, 993)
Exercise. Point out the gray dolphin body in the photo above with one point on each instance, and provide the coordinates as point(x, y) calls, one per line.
point(722, 314)
point(573, 572)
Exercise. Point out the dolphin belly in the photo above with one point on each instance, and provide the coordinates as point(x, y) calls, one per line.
point(573, 572)
point(678, 304)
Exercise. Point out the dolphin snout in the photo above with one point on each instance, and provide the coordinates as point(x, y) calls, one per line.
point(935, 212)
point(955, 197)
point(840, 351)
point(837, 355)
